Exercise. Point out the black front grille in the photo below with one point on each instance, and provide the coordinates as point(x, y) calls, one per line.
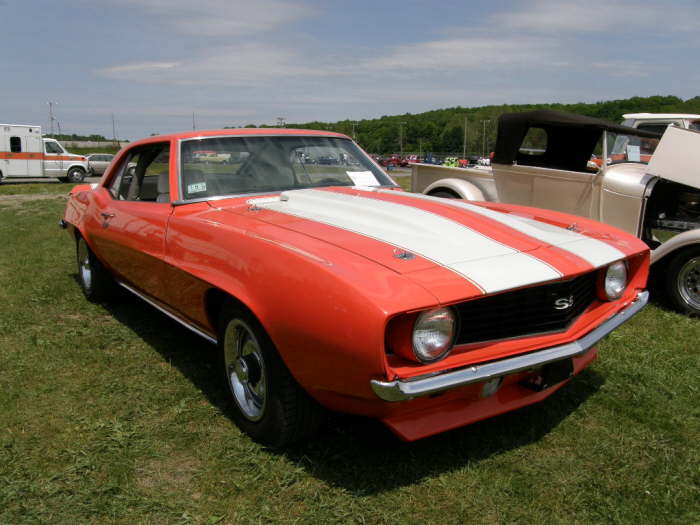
point(525, 312)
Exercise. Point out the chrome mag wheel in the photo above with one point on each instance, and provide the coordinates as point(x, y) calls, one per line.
point(84, 266)
point(688, 283)
point(245, 369)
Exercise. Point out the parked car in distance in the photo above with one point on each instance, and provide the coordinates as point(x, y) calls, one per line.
point(543, 158)
point(98, 162)
point(658, 122)
point(325, 286)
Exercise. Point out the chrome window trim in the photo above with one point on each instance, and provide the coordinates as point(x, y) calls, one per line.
point(404, 389)
point(180, 193)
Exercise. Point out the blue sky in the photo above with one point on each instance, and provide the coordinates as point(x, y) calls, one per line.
point(154, 62)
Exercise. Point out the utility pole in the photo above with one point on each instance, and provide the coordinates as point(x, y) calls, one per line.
point(194, 124)
point(483, 149)
point(51, 119)
point(114, 131)
point(464, 147)
point(354, 123)
point(401, 125)
point(420, 150)
point(281, 122)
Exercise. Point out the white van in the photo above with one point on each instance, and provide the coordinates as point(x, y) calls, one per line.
point(25, 153)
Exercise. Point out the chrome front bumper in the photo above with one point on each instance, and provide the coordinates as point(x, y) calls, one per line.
point(401, 390)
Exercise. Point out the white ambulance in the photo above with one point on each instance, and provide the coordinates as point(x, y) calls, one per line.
point(25, 153)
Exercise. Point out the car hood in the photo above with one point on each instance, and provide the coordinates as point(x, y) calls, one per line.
point(435, 240)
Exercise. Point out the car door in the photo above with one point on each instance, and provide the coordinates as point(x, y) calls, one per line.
point(53, 159)
point(531, 184)
point(16, 162)
point(132, 224)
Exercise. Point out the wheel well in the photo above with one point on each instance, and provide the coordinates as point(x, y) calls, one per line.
point(214, 302)
point(435, 191)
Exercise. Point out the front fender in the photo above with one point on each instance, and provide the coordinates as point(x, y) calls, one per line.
point(682, 240)
point(465, 189)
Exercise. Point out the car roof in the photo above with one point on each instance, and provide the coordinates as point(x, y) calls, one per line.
point(240, 132)
point(572, 140)
point(660, 116)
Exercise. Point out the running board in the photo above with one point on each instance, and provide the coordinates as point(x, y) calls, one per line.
point(169, 314)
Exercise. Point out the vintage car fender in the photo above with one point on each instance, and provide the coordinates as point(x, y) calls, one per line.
point(465, 189)
point(682, 240)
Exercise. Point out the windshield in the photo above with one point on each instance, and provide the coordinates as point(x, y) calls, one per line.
point(631, 148)
point(219, 166)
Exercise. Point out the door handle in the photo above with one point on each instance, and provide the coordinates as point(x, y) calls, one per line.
point(107, 215)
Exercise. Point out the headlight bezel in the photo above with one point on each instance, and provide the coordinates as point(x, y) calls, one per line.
point(441, 315)
point(611, 292)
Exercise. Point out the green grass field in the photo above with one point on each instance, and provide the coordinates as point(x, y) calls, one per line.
point(114, 414)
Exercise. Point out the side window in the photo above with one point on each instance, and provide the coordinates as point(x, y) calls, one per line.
point(535, 142)
point(15, 144)
point(143, 175)
point(655, 128)
point(52, 147)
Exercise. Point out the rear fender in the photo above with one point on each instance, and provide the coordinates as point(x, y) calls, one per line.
point(465, 189)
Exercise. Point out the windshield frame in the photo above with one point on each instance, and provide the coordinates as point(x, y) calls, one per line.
point(181, 201)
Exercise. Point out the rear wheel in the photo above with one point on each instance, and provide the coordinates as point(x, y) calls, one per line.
point(268, 404)
point(75, 175)
point(95, 281)
point(683, 281)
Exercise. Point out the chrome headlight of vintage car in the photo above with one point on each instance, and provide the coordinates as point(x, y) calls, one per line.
point(433, 334)
point(615, 280)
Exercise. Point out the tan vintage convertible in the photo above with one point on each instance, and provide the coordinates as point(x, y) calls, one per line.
point(565, 162)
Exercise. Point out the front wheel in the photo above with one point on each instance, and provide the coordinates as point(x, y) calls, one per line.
point(683, 281)
point(268, 404)
point(95, 282)
point(75, 175)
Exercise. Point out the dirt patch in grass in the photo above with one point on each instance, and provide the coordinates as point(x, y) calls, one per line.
point(8, 202)
point(172, 473)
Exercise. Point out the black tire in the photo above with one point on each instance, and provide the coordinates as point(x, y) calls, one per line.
point(267, 403)
point(444, 194)
point(683, 281)
point(95, 281)
point(75, 175)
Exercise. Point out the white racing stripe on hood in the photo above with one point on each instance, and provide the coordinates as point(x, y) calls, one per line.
point(595, 252)
point(491, 265)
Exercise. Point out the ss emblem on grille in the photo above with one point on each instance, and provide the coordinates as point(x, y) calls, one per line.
point(564, 303)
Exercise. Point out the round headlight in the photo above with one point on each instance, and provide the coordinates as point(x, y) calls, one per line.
point(433, 334)
point(615, 280)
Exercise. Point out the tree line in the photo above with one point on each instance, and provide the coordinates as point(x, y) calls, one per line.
point(442, 131)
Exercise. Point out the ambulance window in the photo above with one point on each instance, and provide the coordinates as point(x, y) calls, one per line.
point(52, 147)
point(15, 144)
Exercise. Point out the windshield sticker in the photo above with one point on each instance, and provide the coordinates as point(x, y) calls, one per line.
point(633, 154)
point(197, 187)
point(363, 178)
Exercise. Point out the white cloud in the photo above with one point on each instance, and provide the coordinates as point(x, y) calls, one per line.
point(223, 17)
point(471, 52)
point(257, 65)
point(246, 65)
point(564, 16)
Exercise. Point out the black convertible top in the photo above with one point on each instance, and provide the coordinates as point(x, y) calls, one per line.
point(571, 138)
